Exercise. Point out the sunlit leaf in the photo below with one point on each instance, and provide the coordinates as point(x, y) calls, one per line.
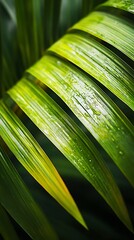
point(5, 224)
point(99, 62)
point(92, 46)
point(127, 5)
point(18, 202)
point(112, 29)
point(93, 107)
point(34, 159)
point(68, 137)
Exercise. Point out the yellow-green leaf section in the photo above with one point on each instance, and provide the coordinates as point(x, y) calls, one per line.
point(34, 159)
point(68, 137)
point(93, 107)
point(112, 29)
point(16, 199)
point(5, 224)
point(100, 62)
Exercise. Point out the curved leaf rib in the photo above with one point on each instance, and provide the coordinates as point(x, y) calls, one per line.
point(18, 202)
point(70, 140)
point(93, 108)
point(34, 159)
point(111, 29)
point(101, 63)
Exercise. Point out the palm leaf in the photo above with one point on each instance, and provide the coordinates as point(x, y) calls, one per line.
point(100, 62)
point(52, 120)
point(112, 29)
point(124, 5)
point(97, 112)
point(5, 224)
point(98, 50)
point(31, 156)
point(30, 30)
point(20, 205)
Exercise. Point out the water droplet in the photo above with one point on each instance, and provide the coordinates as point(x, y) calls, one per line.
point(120, 152)
point(58, 62)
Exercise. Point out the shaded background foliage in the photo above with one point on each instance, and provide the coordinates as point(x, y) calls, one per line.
point(102, 222)
point(57, 17)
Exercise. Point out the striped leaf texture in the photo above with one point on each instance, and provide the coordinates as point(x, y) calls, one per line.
point(90, 69)
point(16, 199)
point(34, 159)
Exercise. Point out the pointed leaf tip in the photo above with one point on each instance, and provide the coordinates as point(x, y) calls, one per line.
point(37, 163)
point(71, 141)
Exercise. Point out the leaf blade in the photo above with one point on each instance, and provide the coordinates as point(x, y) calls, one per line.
point(99, 62)
point(111, 29)
point(20, 205)
point(93, 108)
point(124, 5)
point(70, 140)
point(34, 159)
point(6, 224)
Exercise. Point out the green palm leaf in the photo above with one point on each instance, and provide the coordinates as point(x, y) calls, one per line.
point(32, 157)
point(100, 62)
point(98, 50)
point(112, 29)
point(69, 139)
point(93, 107)
point(5, 224)
point(17, 200)
point(124, 5)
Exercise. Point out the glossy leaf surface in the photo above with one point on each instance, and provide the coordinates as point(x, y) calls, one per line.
point(34, 159)
point(121, 4)
point(69, 139)
point(93, 107)
point(112, 29)
point(100, 62)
